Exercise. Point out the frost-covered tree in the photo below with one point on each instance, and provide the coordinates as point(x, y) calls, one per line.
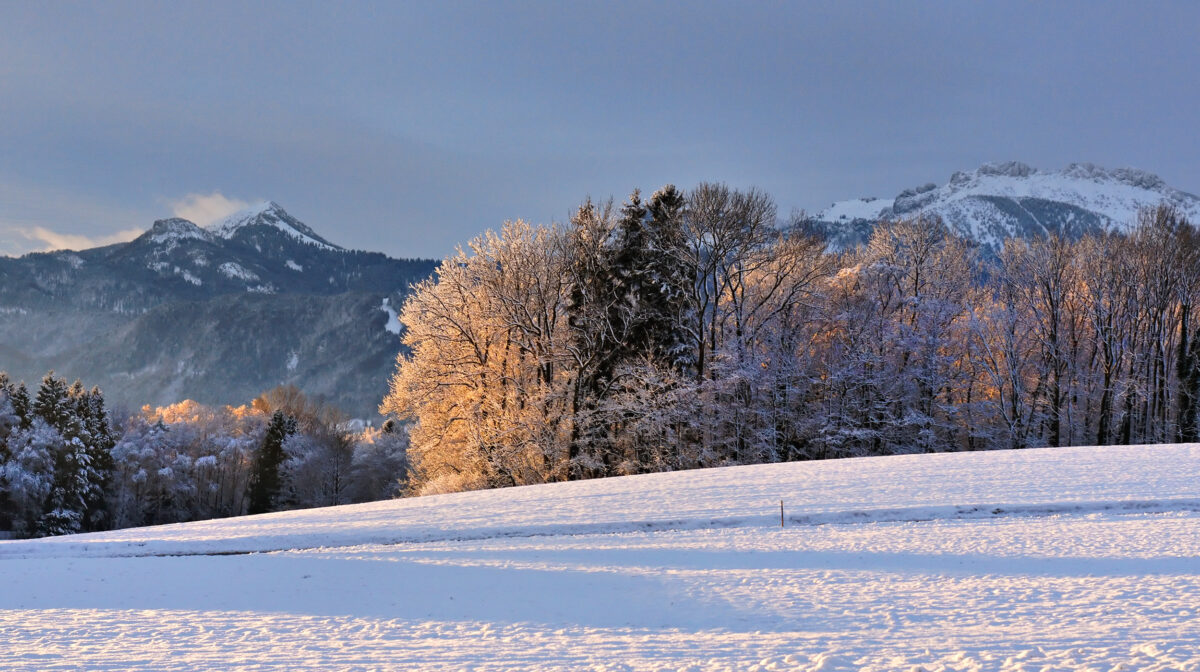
point(317, 469)
point(380, 465)
point(66, 440)
point(486, 380)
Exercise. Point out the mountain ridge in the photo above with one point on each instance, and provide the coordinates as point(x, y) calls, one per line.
point(216, 314)
point(1010, 199)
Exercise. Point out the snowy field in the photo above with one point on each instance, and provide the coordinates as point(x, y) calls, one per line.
point(1058, 559)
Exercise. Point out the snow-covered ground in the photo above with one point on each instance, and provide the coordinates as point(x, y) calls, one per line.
point(1075, 559)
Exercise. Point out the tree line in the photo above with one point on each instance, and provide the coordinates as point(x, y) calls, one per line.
point(692, 330)
point(66, 467)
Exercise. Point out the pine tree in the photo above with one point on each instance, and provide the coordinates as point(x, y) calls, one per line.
point(98, 444)
point(27, 478)
point(21, 405)
point(630, 266)
point(670, 275)
point(593, 298)
point(82, 460)
point(9, 421)
point(52, 404)
point(265, 479)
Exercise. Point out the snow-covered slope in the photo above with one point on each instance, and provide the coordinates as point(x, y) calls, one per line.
point(859, 208)
point(269, 214)
point(1003, 200)
point(1069, 559)
point(170, 232)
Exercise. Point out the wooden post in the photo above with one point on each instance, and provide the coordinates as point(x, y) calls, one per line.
point(781, 513)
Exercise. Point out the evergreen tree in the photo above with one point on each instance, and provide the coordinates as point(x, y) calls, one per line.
point(630, 264)
point(21, 405)
point(9, 422)
point(27, 478)
point(97, 434)
point(265, 479)
point(592, 299)
point(670, 274)
point(52, 403)
point(81, 458)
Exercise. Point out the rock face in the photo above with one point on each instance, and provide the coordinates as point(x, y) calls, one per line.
point(217, 315)
point(1004, 200)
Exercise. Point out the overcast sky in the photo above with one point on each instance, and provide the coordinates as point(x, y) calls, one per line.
point(409, 128)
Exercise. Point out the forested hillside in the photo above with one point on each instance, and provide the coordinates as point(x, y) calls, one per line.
point(216, 315)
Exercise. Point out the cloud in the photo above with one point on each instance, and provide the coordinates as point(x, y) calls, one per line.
point(73, 241)
point(37, 217)
point(206, 209)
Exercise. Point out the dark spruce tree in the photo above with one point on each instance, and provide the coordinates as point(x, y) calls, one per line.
point(630, 299)
point(593, 302)
point(670, 274)
point(631, 269)
point(51, 404)
point(99, 441)
point(265, 477)
point(9, 420)
point(21, 404)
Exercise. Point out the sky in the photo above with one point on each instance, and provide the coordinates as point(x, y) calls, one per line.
point(409, 128)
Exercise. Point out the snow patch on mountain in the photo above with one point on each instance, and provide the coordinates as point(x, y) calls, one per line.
point(236, 271)
point(73, 260)
point(392, 326)
point(859, 208)
point(293, 265)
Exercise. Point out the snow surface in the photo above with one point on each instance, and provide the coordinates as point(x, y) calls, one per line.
point(290, 263)
point(859, 208)
point(170, 232)
point(1063, 559)
point(266, 213)
point(235, 271)
point(392, 325)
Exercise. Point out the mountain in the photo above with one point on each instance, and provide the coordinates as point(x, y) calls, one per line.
point(215, 314)
point(1004, 200)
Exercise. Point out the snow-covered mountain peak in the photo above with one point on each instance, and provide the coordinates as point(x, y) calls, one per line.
point(1115, 195)
point(1007, 169)
point(173, 230)
point(1012, 199)
point(271, 214)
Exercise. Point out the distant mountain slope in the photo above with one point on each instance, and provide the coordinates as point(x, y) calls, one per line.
point(216, 314)
point(1004, 200)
